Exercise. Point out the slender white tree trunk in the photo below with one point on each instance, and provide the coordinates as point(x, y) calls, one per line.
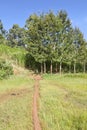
point(51, 67)
point(56, 67)
point(41, 68)
point(44, 67)
point(84, 67)
point(74, 67)
point(60, 68)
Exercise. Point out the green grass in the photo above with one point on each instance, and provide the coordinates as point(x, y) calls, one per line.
point(15, 82)
point(63, 102)
point(16, 114)
point(16, 111)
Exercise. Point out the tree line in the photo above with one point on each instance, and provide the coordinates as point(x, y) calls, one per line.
point(51, 43)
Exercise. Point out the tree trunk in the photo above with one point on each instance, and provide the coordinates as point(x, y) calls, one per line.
point(56, 67)
point(69, 68)
point(60, 68)
point(74, 68)
point(84, 67)
point(44, 67)
point(51, 67)
point(41, 68)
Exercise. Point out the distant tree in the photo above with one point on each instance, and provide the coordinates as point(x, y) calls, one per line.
point(35, 29)
point(64, 26)
point(16, 36)
point(78, 41)
point(83, 54)
point(2, 33)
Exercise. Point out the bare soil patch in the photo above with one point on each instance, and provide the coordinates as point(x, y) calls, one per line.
point(13, 93)
point(35, 103)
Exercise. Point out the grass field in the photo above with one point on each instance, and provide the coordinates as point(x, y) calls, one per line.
point(16, 95)
point(63, 102)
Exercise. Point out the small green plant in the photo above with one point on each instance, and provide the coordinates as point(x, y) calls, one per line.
point(5, 69)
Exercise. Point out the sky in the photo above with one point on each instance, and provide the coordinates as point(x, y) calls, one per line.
point(18, 11)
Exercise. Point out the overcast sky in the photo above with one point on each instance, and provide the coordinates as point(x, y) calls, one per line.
point(17, 11)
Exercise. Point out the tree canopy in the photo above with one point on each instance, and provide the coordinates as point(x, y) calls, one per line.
point(52, 44)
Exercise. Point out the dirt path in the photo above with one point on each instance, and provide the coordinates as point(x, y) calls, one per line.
point(35, 103)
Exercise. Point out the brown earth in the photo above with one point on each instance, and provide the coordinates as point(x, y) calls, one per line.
point(13, 93)
point(35, 103)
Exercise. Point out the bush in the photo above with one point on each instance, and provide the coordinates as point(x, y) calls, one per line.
point(5, 69)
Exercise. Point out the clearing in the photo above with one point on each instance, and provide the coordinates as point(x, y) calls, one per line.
point(54, 103)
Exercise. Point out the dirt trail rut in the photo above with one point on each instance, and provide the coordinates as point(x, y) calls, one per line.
point(13, 93)
point(35, 103)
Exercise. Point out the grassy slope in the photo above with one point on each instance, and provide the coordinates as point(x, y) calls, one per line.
point(15, 82)
point(16, 112)
point(63, 103)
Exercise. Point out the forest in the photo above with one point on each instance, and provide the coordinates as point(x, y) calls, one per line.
point(48, 43)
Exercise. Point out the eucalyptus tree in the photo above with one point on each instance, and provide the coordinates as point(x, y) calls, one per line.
point(52, 39)
point(82, 51)
point(13, 35)
point(35, 31)
point(16, 36)
point(77, 44)
point(64, 26)
point(2, 33)
point(69, 55)
point(83, 54)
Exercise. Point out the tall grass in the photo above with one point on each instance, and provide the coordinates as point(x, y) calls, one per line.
point(15, 82)
point(16, 111)
point(63, 102)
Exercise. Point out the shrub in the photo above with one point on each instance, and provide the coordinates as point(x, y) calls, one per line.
point(5, 69)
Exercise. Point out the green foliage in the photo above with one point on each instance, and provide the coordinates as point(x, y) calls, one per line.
point(51, 41)
point(16, 36)
point(2, 33)
point(15, 55)
point(5, 69)
point(51, 38)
